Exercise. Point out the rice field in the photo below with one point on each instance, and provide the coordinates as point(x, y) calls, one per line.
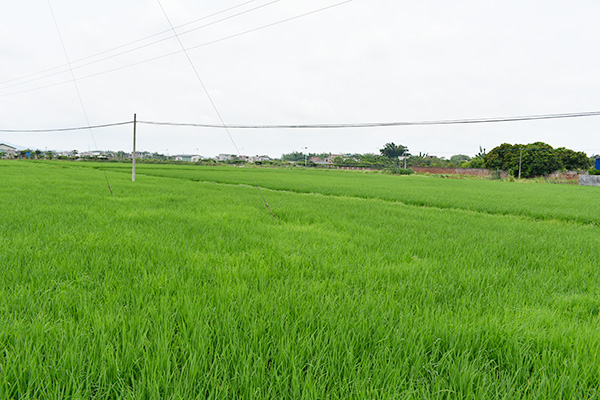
point(181, 285)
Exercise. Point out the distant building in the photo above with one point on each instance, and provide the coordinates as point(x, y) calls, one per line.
point(333, 157)
point(318, 160)
point(7, 151)
point(225, 157)
point(187, 157)
point(254, 159)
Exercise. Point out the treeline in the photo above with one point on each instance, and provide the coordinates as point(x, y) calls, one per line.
point(534, 159)
point(297, 156)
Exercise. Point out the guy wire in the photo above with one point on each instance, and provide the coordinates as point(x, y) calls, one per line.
point(77, 89)
point(214, 105)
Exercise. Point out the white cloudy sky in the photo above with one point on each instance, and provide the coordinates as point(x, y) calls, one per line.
point(364, 61)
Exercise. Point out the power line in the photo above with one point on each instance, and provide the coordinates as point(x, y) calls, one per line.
point(322, 126)
point(213, 104)
point(126, 44)
point(140, 47)
point(383, 124)
point(242, 33)
point(79, 128)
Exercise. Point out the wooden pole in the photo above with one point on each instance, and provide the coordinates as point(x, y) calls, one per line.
point(133, 155)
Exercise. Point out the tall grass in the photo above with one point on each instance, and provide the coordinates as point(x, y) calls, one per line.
point(181, 289)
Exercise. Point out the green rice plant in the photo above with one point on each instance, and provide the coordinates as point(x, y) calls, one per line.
point(538, 201)
point(183, 288)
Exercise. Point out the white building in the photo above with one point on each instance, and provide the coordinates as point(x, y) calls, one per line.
point(7, 151)
point(254, 159)
point(225, 157)
point(187, 157)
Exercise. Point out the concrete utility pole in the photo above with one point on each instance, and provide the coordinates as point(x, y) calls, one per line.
point(520, 161)
point(133, 155)
point(403, 158)
point(305, 157)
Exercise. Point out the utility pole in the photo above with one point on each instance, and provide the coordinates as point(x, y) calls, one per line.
point(403, 158)
point(520, 161)
point(133, 155)
point(305, 157)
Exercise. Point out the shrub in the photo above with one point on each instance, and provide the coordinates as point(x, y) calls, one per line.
point(399, 171)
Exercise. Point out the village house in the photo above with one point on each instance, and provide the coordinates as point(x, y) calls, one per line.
point(187, 157)
point(225, 157)
point(254, 159)
point(7, 151)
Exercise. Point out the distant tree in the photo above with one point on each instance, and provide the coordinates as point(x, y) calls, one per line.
point(536, 159)
point(572, 160)
point(502, 157)
point(458, 159)
point(422, 160)
point(370, 160)
point(293, 156)
point(338, 160)
point(158, 156)
point(440, 163)
point(391, 150)
point(476, 162)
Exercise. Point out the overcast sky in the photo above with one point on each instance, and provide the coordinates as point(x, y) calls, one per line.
point(364, 61)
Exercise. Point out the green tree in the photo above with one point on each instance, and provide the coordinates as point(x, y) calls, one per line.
point(458, 159)
point(536, 159)
point(503, 157)
point(391, 150)
point(371, 160)
point(338, 160)
point(476, 162)
point(572, 160)
point(293, 156)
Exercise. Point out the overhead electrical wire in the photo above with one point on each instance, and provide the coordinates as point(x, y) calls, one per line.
point(383, 124)
point(78, 128)
point(141, 47)
point(325, 126)
point(77, 89)
point(208, 43)
point(126, 44)
point(214, 105)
